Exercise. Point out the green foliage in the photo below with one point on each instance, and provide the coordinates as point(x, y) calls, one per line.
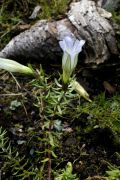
point(116, 15)
point(102, 112)
point(52, 103)
point(53, 8)
point(113, 173)
point(10, 158)
point(55, 104)
point(52, 100)
point(116, 18)
point(17, 165)
point(66, 174)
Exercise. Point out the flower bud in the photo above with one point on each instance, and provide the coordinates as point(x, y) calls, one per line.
point(14, 67)
point(80, 90)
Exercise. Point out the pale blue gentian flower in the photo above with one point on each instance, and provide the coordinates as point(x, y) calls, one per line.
point(71, 48)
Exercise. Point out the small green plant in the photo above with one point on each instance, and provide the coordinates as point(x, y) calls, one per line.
point(12, 160)
point(113, 173)
point(52, 102)
point(15, 104)
point(53, 98)
point(66, 174)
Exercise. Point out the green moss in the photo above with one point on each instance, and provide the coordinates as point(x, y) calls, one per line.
point(102, 112)
point(12, 12)
point(116, 16)
point(53, 8)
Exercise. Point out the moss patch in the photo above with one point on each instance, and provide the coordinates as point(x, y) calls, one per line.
point(13, 13)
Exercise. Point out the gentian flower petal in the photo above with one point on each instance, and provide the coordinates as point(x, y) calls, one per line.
point(75, 61)
point(69, 42)
point(78, 46)
point(72, 56)
point(62, 45)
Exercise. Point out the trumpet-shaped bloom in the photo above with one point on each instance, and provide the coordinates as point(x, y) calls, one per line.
point(13, 66)
point(71, 48)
